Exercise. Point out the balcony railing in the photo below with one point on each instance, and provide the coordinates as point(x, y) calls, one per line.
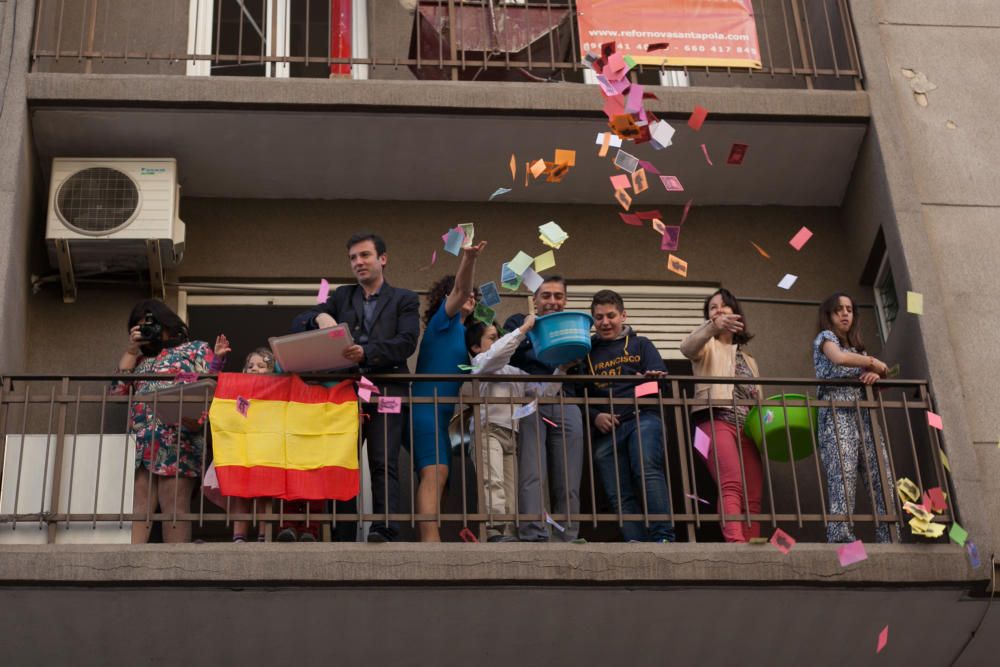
point(803, 43)
point(77, 431)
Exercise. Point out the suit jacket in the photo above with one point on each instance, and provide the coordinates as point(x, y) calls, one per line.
point(395, 328)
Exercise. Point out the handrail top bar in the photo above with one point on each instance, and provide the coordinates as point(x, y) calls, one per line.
point(463, 377)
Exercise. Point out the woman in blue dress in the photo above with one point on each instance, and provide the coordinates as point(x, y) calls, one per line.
point(442, 349)
point(838, 353)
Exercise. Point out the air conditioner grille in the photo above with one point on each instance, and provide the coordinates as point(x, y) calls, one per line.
point(97, 201)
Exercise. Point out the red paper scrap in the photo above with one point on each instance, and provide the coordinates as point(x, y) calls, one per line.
point(550, 422)
point(736, 154)
point(707, 159)
point(782, 541)
point(934, 419)
point(647, 388)
point(648, 166)
point(657, 46)
point(800, 238)
point(648, 215)
point(883, 639)
point(687, 209)
point(467, 535)
point(937, 499)
point(698, 117)
point(631, 219)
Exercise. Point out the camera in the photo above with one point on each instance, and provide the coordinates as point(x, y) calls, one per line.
point(150, 329)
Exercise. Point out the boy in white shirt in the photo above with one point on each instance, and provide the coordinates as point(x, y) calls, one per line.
point(491, 356)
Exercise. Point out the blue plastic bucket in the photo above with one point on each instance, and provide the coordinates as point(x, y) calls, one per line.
point(561, 337)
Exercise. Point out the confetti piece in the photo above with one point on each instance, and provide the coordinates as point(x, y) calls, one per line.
point(550, 422)
point(648, 215)
point(697, 118)
point(647, 388)
point(623, 198)
point(973, 553)
point(537, 167)
point(324, 291)
point(934, 419)
point(626, 161)
point(694, 497)
point(687, 209)
point(434, 256)
point(915, 303)
point(788, 281)
point(605, 143)
point(883, 639)
point(957, 534)
point(633, 101)
point(736, 154)
point(782, 541)
point(545, 261)
point(467, 536)
point(468, 369)
point(552, 234)
point(658, 226)
point(702, 442)
point(525, 410)
point(763, 253)
point(851, 553)
point(671, 184)
point(657, 46)
point(919, 511)
point(800, 238)
point(469, 231)
point(639, 183)
point(907, 490)
point(611, 139)
point(620, 182)
point(552, 522)
point(521, 261)
point(527, 170)
point(677, 265)
point(489, 294)
point(498, 192)
point(661, 133)
point(671, 238)
point(484, 314)
point(390, 405)
point(242, 405)
point(566, 157)
point(631, 219)
point(648, 166)
point(936, 498)
point(707, 159)
point(532, 280)
point(944, 460)
point(365, 383)
point(513, 168)
point(453, 241)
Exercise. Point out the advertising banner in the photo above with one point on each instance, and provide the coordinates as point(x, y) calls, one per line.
point(714, 33)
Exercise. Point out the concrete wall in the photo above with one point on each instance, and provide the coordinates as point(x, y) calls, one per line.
point(17, 184)
point(939, 171)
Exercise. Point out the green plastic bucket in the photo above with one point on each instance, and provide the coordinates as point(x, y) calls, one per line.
point(774, 428)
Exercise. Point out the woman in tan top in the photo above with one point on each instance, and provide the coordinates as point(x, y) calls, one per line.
point(716, 349)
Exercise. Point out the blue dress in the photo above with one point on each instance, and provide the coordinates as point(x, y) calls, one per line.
point(442, 349)
point(847, 446)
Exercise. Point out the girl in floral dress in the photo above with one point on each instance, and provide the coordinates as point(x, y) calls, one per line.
point(166, 465)
point(839, 353)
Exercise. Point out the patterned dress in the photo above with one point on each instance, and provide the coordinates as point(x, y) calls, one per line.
point(156, 443)
point(840, 439)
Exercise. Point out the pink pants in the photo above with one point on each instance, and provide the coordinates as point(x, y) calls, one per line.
point(728, 476)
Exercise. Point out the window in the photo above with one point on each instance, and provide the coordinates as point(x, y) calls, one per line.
point(886, 302)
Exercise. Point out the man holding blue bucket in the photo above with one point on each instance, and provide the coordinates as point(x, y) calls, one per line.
point(550, 440)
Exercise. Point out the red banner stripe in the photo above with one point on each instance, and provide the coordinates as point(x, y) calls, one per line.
point(281, 388)
point(333, 482)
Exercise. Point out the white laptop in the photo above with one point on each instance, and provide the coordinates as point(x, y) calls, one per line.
point(317, 350)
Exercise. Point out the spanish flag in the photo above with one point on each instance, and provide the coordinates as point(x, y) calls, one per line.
point(274, 436)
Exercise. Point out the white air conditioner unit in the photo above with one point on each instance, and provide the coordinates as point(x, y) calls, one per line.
point(113, 215)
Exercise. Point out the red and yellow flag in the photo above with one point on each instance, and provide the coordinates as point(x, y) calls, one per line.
point(275, 436)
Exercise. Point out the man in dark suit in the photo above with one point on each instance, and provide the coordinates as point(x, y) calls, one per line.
point(385, 324)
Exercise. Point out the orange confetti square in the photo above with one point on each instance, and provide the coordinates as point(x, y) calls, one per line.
point(639, 183)
point(537, 168)
point(677, 265)
point(622, 198)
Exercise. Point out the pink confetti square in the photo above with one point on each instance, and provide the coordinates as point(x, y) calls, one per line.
point(324, 291)
point(621, 182)
point(704, 150)
point(883, 639)
point(671, 184)
point(647, 388)
point(698, 117)
point(934, 419)
point(782, 541)
point(687, 209)
point(702, 442)
point(851, 553)
point(800, 238)
point(242, 405)
point(390, 404)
